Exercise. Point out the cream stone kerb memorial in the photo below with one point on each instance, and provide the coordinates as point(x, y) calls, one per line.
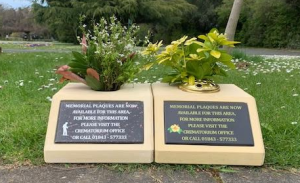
point(206, 128)
point(67, 143)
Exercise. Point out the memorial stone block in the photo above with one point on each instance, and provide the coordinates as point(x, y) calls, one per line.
point(206, 128)
point(87, 126)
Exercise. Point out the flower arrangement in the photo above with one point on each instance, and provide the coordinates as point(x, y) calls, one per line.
point(192, 60)
point(108, 58)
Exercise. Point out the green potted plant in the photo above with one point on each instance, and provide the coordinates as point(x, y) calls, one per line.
point(108, 58)
point(193, 62)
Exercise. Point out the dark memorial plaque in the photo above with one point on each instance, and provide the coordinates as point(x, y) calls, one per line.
point(114, 122)
point(207, 123)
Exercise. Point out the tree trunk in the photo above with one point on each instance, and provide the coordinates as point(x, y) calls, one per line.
point(233, 19)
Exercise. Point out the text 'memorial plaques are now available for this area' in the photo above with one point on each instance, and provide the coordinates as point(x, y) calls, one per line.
point(207, 123)
point(100, 122)
point(87, 126)
point(206, 128)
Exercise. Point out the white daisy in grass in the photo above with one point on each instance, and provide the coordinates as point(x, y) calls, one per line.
point(49, 99)
point(294, 123)
point(295, 95)
point(259, 83)
point(289, 70)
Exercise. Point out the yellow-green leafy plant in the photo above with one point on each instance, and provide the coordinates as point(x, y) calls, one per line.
point(191, 59)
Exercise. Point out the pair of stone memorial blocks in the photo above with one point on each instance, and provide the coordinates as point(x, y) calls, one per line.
point(142, 123)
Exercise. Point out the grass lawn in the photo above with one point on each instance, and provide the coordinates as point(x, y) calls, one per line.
point(28, 82)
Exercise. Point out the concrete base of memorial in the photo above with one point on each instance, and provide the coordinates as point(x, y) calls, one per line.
point(83, 125)
point(206, 128)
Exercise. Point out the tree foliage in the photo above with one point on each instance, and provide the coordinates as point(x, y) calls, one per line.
point(62, 15)
point(19, 20)
point(266, 23)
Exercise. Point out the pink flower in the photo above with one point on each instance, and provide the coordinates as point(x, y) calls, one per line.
point(84, 44)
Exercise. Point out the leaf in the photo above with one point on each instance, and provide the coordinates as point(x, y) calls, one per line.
point(194, 69)
point(212, 37)
point(214, 30)
point(93, 73)
point(229, 43)
point(79, 57)
point(148, 66)
point(215, 53)
point(203, 37)
point(167, 79)
point(163, 60)
point(223, 72)
point(208, 45)
point(93, 83)
point(226, 59)
point(219, 71)
point(78, 71)
point(176, 78)
point(77, 65)
point(198, 43)
point(207, 70)
point(91, 56)
point(180, 130)
point(202, 49)
point(63, 70)
point(191, 80)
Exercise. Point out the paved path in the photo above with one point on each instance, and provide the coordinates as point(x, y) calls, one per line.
point(266, 51)
point(90, 174)
point(34, 51)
